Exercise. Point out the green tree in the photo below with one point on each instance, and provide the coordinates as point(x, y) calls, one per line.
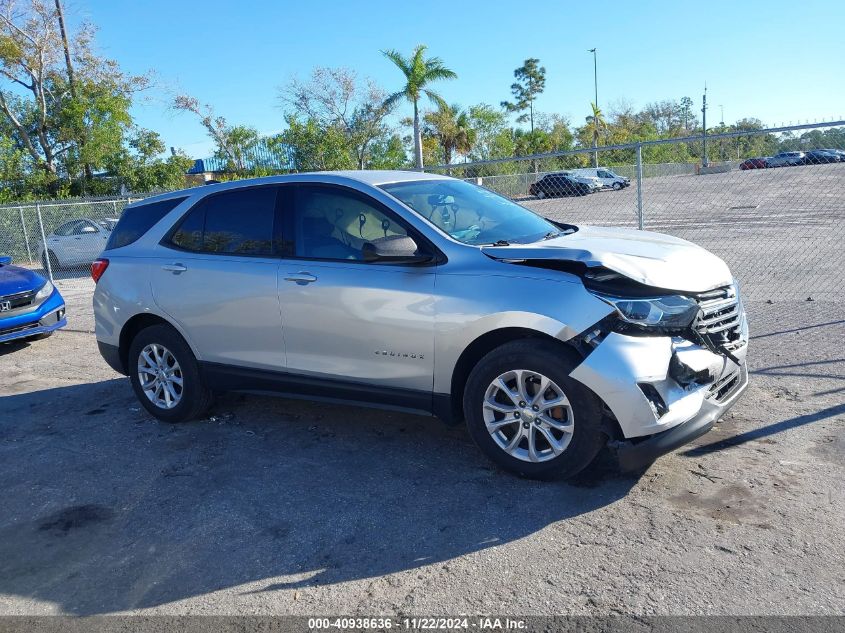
point(686, 114)
point(595, 126)
point(140, 167)
point(493, 138)
point(233, 142)
point(530, 82)
point(314, 147)
point(452, 129)
point(66, 107)
point(336, 97)
point(420, 72)
point(388, 153)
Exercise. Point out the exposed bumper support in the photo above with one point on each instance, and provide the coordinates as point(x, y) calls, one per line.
point(635, 455)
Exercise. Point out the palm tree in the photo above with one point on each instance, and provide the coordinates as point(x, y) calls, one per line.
point(595, 123)
point(452, 129)
point(419, 73)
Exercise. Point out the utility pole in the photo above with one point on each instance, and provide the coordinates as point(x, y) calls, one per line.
point(722, 109)
point(596, 102)
point(704, 128)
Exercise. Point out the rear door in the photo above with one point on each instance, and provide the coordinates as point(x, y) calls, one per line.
point(215, 274)
point(347, 319)
point(90, 239)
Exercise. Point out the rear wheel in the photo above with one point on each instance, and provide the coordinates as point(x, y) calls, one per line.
point(617, 186)
point(528, 416)
point(165, 375)
point(541, 194)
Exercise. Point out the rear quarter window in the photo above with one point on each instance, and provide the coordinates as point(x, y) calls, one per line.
point(137, 220)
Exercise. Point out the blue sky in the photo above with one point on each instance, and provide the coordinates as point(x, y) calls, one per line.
point(777, 60)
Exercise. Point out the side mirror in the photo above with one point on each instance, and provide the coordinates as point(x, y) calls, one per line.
point(394, 249)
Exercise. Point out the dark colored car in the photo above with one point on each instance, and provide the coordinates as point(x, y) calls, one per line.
point(754, 163)
point(821, 156)
point(29, 304)
point(552, 185)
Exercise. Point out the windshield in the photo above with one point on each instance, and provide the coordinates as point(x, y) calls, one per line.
point(471, 214)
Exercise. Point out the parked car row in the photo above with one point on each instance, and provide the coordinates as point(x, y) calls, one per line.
point(577, 182)
point(793, 159)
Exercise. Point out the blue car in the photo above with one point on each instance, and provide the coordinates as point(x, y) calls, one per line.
point(30, 306)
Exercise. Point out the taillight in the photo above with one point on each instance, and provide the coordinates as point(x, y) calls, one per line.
point(98, 268)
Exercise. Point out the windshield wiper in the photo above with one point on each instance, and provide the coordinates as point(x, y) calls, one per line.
point(500, 243)
point(552, 234)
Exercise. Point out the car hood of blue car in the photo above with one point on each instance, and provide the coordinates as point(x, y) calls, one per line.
point(14, 279)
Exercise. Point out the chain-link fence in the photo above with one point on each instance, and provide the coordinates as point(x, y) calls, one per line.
point(777, 220)
point(59, 238)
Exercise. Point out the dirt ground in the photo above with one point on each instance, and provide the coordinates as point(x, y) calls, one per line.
point(274, 506)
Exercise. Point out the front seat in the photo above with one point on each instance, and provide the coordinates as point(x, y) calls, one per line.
point(318, 240)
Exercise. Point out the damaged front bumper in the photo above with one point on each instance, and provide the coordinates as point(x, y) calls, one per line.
point(663, 391)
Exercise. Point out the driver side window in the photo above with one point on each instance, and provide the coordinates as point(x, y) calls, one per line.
point(333, 223)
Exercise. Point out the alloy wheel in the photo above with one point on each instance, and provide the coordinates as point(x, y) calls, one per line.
point(160, 376)
point(528, 415)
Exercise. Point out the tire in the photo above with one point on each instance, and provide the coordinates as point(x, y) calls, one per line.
point(541, 194)
point(617, 186)
point(193, 397)
point(39, 337)
point(54, 261)
point(582, 411)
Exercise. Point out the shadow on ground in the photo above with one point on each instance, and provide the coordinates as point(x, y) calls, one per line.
point(106, 509)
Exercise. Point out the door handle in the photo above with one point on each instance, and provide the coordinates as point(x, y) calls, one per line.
point(174, 268)
point(301, 278)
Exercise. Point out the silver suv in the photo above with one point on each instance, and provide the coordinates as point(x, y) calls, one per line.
point(426, 294)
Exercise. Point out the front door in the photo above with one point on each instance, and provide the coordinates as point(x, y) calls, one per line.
point(347, 319)
point(216, 276)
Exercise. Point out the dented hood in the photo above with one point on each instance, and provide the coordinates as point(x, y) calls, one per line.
point(653, 259)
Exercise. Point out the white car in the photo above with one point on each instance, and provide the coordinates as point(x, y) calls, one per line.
point(76, 243)
point(607, 178)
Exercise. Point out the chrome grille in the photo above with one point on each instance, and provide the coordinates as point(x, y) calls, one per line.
point(720, 318)
point(20, 299)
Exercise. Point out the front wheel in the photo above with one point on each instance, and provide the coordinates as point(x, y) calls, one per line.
point(617, 186)
point(54, 261)
point(165, 375)
point(528, 416)
point(541, 194)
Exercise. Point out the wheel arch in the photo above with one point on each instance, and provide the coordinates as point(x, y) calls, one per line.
point(134, 325)
point(474, 352)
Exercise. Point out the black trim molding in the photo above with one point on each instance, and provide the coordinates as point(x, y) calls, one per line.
point(224, 377)
point(111, 354)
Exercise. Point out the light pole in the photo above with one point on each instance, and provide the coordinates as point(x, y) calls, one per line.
point(704, 128)
point(596, 103)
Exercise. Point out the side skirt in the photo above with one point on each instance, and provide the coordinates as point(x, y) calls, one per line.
point(223, 377)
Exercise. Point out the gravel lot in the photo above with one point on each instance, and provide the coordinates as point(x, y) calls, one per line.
point(274, 506)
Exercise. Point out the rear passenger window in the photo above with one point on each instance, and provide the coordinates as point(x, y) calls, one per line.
point(236, 222)
point(188, 235)
point(137, 220)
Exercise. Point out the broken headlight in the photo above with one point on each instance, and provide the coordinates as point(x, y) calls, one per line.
point(670, 311)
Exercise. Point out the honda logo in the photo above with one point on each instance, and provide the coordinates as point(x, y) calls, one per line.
point(5, 306)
